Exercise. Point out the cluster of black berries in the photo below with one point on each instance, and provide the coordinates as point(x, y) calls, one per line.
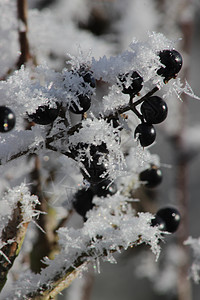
point(82, 201)
point(45, 114)
point(153, 109)
point(7, 119)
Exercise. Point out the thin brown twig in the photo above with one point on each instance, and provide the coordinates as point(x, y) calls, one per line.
point(14, 231)
point(23, 28)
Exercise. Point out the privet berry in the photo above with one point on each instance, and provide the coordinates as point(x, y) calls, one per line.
point(104, 188)
point(84, 103)
point(115, 123)
point(145, 133)
point(154, 109)
point(7, 119)
point(136, 83)
point(172, 61)
point(88, 78)
point(82, 202)
point(151, 177)
point(94, 171)
point(169, 217)
point(44, 115)
point(157, 221)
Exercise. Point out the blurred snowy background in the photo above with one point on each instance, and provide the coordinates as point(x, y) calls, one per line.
point(107, 27)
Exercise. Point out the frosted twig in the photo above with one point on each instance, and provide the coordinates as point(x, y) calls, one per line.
point(63, 134)
point(10, 250)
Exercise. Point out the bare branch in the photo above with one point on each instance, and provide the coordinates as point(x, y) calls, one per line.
point(12, 236)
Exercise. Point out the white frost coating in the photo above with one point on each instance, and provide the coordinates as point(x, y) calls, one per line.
point(194, 243)
point(177, 87)
point(28, 88)
point(141, 57)
point(8, 203)
point(111, 226)
point(18, 141)
point(94, 132)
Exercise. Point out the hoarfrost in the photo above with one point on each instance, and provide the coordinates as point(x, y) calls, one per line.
point(111, 226)
point(194, 244)
point(11, 198)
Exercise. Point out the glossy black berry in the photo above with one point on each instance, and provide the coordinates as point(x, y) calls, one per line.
point(44, 115)
point(172, 61)
point(151, 177)
point(171, 217)
point(154, 109)
point(84, 103)
point(157, 221)
point(105, 188)
point(7, 119)
point(89, 78)
point(82, 202)
point(145, 133)
point(135, 80)
point(93, 170)
point(96, 170)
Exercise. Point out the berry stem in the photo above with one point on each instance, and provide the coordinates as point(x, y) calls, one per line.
point(149, 94)
point(131, 106)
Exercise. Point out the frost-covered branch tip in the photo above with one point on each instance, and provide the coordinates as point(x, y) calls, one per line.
point(16, 211)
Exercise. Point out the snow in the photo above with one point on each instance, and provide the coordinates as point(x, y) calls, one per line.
point(111, 226)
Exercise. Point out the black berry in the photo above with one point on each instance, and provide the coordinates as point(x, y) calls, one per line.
point(172, 61)
point(89, 78)
point(157, 221)
point(82, 202)
point(105, 188)
point(84, 103)
point(44, 115)
point(115, 123)
point(146, 134)
point(151, 177)
point(135, 85)
point(154, 109)
point(7, 119)
point(171, 217)
point(94, 170)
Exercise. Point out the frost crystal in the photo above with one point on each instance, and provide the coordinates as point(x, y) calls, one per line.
point(195, 268)
point(11, 198)
point(111, 226)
